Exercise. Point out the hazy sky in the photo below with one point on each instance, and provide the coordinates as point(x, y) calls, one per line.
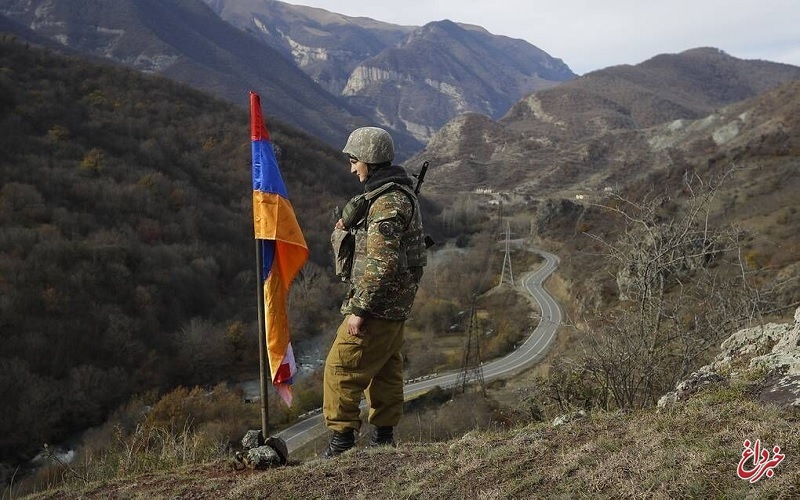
point(591, 34)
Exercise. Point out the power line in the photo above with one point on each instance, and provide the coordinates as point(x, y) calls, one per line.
point(471, 367)
point(507, 259)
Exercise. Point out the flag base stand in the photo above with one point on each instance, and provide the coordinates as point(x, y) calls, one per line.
point(261, 453)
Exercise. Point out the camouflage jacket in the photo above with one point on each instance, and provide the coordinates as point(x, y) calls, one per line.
point(389, 250)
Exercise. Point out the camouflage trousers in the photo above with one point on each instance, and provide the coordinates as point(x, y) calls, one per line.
point(370, 365)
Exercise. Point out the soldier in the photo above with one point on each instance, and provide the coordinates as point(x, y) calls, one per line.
point(388, 257)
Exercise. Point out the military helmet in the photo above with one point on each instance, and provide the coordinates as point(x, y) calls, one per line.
point(370, 145)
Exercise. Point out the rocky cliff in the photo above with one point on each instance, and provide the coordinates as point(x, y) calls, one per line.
point(766, 357)
point(411, 79)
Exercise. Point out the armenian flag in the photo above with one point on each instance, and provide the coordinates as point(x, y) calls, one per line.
point(283, 250)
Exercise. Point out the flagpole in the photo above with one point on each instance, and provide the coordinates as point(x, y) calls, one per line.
point(262, 342)
point(268, 184)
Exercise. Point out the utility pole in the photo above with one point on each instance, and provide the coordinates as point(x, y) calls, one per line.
point(507, 259)
point(471, 369)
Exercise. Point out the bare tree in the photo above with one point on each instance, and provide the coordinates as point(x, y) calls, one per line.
point(682, 288)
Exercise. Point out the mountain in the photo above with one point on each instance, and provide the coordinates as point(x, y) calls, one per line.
point(185, 41)
point(322, 72)
point(593, 131)
point(326, 45)
point(444, 69)
point(633, 133)
point(410, 79)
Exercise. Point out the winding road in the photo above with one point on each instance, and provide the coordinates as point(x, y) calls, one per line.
point(526, 355)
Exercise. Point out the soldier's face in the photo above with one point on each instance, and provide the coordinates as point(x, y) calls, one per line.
point(358, 168)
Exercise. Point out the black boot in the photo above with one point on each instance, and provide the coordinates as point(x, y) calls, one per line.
point(340, 442)
point(382, 436)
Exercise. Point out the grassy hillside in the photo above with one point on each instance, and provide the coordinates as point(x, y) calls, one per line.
point(691, 451)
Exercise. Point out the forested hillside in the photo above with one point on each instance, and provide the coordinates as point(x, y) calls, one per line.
point(126, 239)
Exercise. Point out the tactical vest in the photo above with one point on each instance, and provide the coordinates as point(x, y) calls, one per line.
point(350, 246)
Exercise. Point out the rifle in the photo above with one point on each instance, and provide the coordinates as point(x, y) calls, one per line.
point(420, 177)
point(429, 242)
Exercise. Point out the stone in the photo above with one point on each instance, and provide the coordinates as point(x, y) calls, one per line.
point(262, 457)
point(772, 349)
point(252, 439)
point(572, 417)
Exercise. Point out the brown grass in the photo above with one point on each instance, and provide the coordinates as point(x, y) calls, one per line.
point(691, 451)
